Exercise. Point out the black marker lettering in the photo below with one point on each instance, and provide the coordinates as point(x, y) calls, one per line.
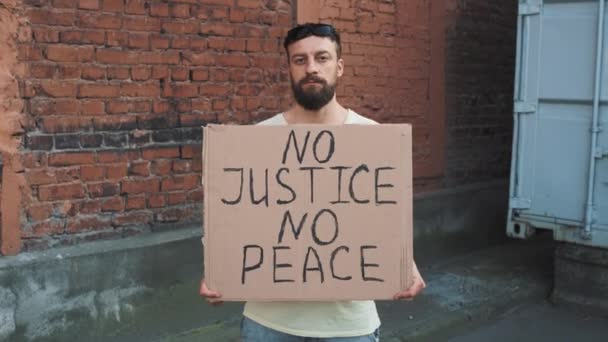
point(285, 186)
point(332, 260)
point(238, 199)
point(385, 185)
point(364, 265)
point(318, 268)
point(250, 268)
point(251, 192)
point(315, 236)
point(312, 180)
point(330, 148)
point(299, 154)
point(351, 190)
point(275, 265)
point(296, 231)
point(340, 169)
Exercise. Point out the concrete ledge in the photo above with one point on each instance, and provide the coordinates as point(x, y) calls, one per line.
point(581, 278)
point(145, 288)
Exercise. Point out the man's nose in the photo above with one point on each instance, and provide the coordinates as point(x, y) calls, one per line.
point(312, 67)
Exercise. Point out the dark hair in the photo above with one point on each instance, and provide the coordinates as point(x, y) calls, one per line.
point(309, 29)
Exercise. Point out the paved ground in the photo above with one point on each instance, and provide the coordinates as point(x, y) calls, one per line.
point(540, 322)
point(465, 292)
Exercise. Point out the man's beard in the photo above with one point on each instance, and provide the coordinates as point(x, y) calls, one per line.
point(313, 99)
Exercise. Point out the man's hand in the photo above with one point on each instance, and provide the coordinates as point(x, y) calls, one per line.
point(415, 289)
point(212, 297)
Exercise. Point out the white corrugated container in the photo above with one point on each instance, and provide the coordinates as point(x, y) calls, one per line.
point(559, 171)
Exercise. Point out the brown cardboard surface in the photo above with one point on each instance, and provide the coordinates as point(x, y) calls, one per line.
point(363, 187)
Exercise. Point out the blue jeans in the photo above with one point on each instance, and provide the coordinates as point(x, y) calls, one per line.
point(252, 331)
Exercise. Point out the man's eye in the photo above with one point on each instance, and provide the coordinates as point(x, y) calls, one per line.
point(322, 58)
point(299, 61)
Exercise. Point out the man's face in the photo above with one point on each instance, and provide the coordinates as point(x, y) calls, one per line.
point(314, 69)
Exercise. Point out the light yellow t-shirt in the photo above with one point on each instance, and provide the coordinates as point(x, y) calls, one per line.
point(317, 319)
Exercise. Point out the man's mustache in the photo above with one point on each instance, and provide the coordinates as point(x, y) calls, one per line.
point(312, 79)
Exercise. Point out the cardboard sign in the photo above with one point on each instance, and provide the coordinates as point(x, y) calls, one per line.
point(308, 212)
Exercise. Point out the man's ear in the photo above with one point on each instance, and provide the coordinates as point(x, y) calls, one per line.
point(340, 67)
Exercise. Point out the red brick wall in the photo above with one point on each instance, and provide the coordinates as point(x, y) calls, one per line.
point(117, 91)
point(480, 68)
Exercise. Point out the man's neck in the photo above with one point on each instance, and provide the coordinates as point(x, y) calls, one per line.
point(332, 114)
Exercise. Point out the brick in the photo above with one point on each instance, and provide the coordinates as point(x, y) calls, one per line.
point(67, 71)
point(176, 198)
point(67, 141)
point(181, 90)
point(113, 5)
point(139, 186)
point(45, 35)
point(54, 88)
point(98, 90)
point(91, 140)
point(133, 217)
point(115, 139)
point(159, 10)
point(180, 10)
point(215, 90)
point(117, 38)
point(156, 201)
point(195, 196)
point(160, 152)
point(159, 58)
point(135, 202)
point(159, 42)
point(40, 177)
point(141, 106)
point(173, 214)
point(93, 73)
point(90, 207)
point(118, 107)
point(92, 172)
point(81, 224)
point(139, 41)
point(139, 137)
point(71, 158)
point(115, 204)
point(60, 192)
point(180, 74)
point(115, 123)
point(117, 156)
point(160, 72)
point(180, 27)
point(199, 74)
point(116, 171)
point(135, 7)
point(237, 16)
point(181, 166)
point(34, 160)
point(118, 73)
point(161, 167)
point(42, 70)
point(92, 107)
point(139, 168)
point(220, 75)
point(197, 119)
point(111, 56)
point(99, 21)
point(157, 121)
point(219, 13)
point(150, 89)
point(39, 212)
point(191, 151)
point(102, 189)
point(45, 16)
point(88, 4)
point(217, 29)
point(185, 182)
point(198, 58)
point(39, 142)
point(29, 53)
point(144, 24)
point(67, 106)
